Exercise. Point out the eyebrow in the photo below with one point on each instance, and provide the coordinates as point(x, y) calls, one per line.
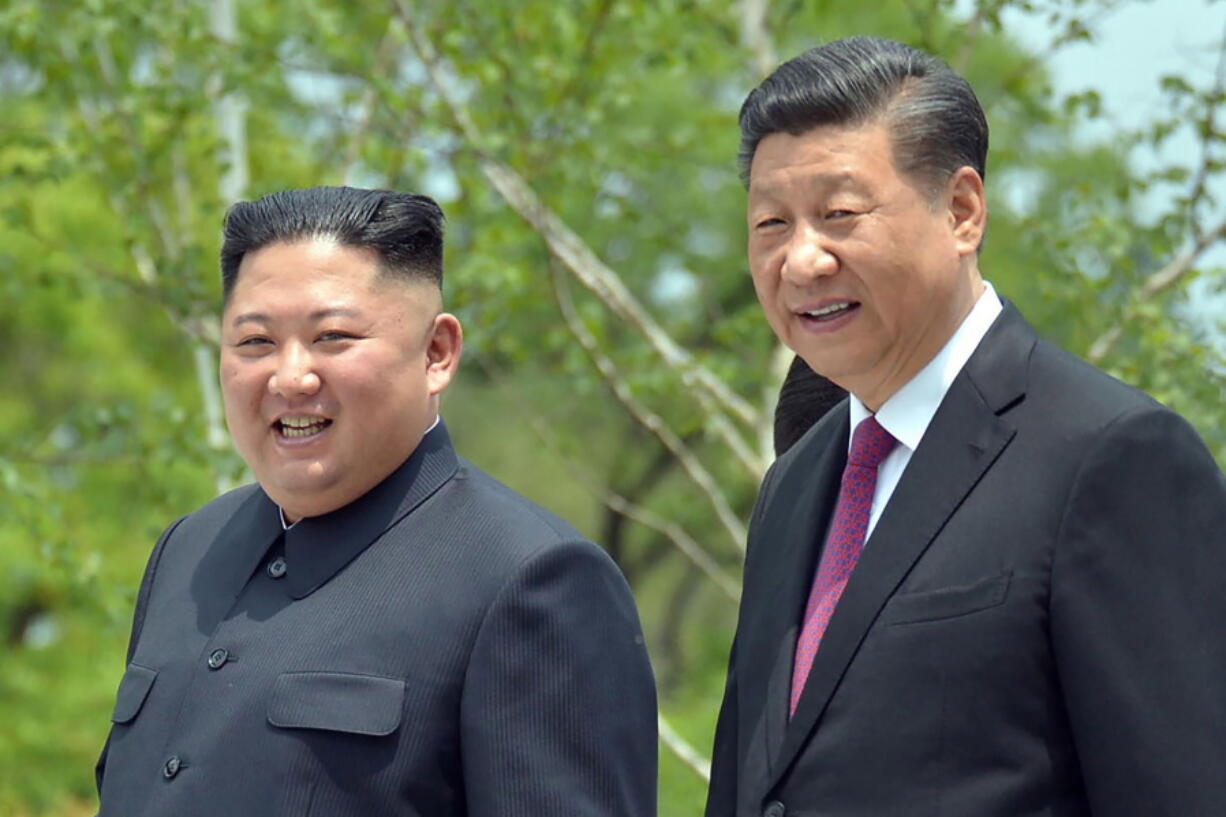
point(317, 315)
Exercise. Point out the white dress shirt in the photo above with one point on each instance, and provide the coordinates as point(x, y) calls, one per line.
point(907, 413)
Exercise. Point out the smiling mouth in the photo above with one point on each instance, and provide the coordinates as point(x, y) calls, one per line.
point(829, 312)
point(296, 428)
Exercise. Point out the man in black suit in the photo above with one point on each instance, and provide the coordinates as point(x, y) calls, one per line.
point(990, 584)
point(376, 627)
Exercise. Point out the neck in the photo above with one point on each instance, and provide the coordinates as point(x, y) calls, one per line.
point(876, 387)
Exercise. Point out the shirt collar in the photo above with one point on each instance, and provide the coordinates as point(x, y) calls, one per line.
point(281, 512)
point(907, 413)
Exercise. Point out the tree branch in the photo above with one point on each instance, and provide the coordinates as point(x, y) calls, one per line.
point(647, 418)
point(1208, 135)
point(1035, 61)
point(576, 85)
point(1154, 285)
point(383, 60)
point(686, 753)
point(229, 108)
point(197, 327)
point(171, 245)
point(974, 28)
point(755, 36)
point(671, 531)
point(230, 124)
point(675, 534)
point(566, 245)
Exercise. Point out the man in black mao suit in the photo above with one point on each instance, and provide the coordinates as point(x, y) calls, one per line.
point(1018, 609)
point(376, 627)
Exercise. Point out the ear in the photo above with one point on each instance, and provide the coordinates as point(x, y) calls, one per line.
point(968, 209)
point(443, 352)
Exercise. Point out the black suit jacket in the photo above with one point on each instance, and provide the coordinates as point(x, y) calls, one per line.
point(439, 647)
point(1035, 626)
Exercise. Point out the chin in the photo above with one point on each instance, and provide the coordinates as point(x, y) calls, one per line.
point(299, 506)
point(298, 492)
point(820, 364)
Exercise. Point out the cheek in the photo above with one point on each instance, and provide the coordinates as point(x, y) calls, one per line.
point(761, 256)
point(759, 286)
point(886, 269)
point(376, 391)
point(229, 381)
point(240, 386)
point(768, 300)
point(765, 281)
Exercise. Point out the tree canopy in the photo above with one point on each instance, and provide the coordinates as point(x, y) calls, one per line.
point(618, 369)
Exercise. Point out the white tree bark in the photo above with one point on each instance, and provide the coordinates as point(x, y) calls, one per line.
point(229, 113)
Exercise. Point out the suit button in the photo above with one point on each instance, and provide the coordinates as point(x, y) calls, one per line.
point(774, 809)
point(277, 568)
point(218, 658)
point(171, 767)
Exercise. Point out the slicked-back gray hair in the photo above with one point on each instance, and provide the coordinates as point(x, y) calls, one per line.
point(936, 123)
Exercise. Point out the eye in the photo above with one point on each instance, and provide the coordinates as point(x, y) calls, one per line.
point(768, 223)
point(255, 340)
point(837, 214)
point(334, 336)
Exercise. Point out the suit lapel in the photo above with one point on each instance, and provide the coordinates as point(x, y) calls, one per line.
point(788, 538)
point(964, 439)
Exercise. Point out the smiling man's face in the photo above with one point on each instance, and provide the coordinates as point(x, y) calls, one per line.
point(330, 370)
point(860, 271)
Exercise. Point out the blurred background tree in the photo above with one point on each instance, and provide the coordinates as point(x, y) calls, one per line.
point(617, 368)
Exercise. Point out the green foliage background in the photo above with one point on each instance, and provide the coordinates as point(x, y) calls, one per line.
point(620, 115)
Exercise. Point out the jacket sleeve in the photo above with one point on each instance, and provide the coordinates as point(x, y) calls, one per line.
point(138, 620)
point(722, 794)
point(1137, 611)
point(558, 712)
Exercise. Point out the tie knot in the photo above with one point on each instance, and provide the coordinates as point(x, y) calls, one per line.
point(870, 444)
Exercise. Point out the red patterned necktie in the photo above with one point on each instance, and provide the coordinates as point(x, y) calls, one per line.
point(869, 446)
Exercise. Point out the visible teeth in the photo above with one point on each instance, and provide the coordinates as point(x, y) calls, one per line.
point(302, 426)
point(301, 422)
point(826, 310)
point(288, 431)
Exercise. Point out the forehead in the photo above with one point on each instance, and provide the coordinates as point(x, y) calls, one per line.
point(320, 279)
point(832, 154)
point(305, 260)
point(313, 269)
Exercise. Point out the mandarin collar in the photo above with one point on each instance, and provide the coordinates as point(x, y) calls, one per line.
point(228, 561)
point(318, 547)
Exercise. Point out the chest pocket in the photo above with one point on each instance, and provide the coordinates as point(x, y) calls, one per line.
point(951, 602)
point(133, 689)
point(337, 702)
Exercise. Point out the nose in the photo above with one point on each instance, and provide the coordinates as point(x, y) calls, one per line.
point(807, 257)
point(295, 374)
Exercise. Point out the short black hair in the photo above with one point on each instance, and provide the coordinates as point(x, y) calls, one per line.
point(804, 398)
point(404, 229)
point(936, 122)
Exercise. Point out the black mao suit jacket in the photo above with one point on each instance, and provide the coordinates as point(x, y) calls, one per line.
point(1036, 626)
point(439, 647)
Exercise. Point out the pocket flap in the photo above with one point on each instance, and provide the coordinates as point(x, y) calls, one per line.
point(948, 602)
point(133, 689)
point(337, 702)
